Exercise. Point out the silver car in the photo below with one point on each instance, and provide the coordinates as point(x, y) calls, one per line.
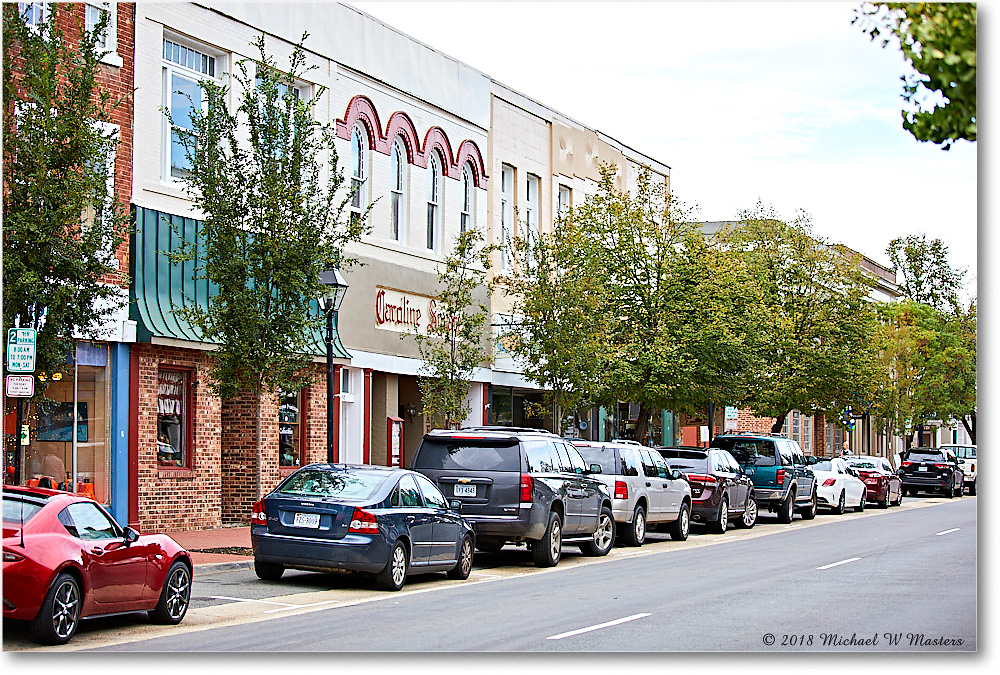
point(644, 489)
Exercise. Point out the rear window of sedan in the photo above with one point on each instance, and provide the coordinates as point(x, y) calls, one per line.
point(759, 452)
point(339, 484)
point(686, 463)
point(926, 456)
point(469, 455)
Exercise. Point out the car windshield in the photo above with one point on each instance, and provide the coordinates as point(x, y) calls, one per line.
point(823, 466)
point(469, 454)
point(755, 451)
point(599, 455)
point(862, 464)
point(340, 484)
point(19, 510)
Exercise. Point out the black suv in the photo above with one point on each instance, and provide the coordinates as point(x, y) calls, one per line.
point(782, 480)
point(932, 470)
point(520, 485)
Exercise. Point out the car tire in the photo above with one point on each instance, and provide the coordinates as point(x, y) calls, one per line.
point(681, 528)
point(463, 568)
point(787, 509)
point(546, 551)
point(634, 533)
point(972, 489)
point(861, 504)
point(268, 571)
point(174, 597)
point(809, 512)
point(841, 504)
point(393, 575)
point(721, 523)
point(899, 497)
point(948, 492)
point(490, 545)
point(59, 615)
point(749, 517)
point(604, 536)
point(884, 504)
point(960, 490)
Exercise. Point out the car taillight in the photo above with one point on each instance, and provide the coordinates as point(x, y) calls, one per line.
point(527, 488)
point(780, 476)
point(621, 490)
point(363, 522)
point(829, 481)
point(973, 467)
point(258, 517)
point(702, 478)
point(941, 466)
point(907, 463)
point(10, 556)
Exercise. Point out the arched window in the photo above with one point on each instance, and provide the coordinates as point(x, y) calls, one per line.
point(433, 202)
point(468, 196)
point(359, 170)
point(397, 174)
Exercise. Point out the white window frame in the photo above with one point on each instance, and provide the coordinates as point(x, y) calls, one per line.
point(397, 205)
point(565, 200)
point(359, 169)
point(532, 185)
point(434, 201)
point(110, 45)
point(507, 177)
point(170, 69)
point(43, 13)
point(467, 218)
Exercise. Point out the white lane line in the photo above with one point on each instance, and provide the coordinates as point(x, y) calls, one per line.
point(291, 607)
point(842, 562)
point(266, 602)
point(597, 627)
point(954, 529)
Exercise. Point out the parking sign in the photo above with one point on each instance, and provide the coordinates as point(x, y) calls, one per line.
point(21, 350)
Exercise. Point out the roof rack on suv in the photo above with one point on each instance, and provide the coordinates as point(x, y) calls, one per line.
point(509, 429)
point(625, 441)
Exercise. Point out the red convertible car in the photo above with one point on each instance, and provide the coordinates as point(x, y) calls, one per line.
point(65, 559)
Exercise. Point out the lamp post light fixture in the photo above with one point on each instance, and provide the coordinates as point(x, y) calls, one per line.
point(335, 289)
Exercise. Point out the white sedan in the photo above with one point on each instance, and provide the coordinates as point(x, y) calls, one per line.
point(837, 487)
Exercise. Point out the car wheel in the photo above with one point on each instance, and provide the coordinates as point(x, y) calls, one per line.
point(490, 545)
point(972, 489)
point(861, 504)
point(787, 509)
point(899, 497)
point(464, 566)
point(635, 532)
point(884, 504)
point(604, 535)
point(175, 596)
point(268, 571)
point(948, 492)
point(681, 527)
point(841, 504)
point(721, 524)
point(809, 512)
point(546, 551)
point(959, 490)
point(59, 615)
point(393, 575)
point(749, 518)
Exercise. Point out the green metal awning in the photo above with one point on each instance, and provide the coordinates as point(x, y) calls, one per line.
point(159, 286)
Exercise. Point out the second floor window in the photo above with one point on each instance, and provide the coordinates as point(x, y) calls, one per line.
point(397, 160)
point(433, 202)
point(564, 201)
point(359, 170)
point(467, 198)
point(531, 217)
point(34, 13)
point(183, 67)
point(506, 214)
point(108, 41)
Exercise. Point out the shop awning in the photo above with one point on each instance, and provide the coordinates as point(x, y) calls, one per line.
point(159, 286)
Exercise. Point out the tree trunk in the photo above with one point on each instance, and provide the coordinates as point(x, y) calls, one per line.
point(779, 422)
point(642, 423)
point(970, 428)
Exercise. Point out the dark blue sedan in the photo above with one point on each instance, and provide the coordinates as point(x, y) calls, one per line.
point(380, 520)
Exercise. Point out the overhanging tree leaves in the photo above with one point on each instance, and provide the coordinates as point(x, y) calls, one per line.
point(62, 222)
point(455, 342)
point(938, 40)
point(266, 178)
point(924, 273)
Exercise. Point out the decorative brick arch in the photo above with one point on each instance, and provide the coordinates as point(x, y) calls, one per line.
point(400, 124)
point(437, 138)
point(361, 108)
point(468, 152)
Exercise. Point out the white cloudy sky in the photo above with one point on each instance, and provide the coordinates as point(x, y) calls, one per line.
point(782, 102)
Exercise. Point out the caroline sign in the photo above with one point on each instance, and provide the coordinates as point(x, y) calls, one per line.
point(406, 312)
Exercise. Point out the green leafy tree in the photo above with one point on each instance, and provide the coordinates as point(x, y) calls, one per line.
point(938, 40)
point(924, 273)
point(456, 340)
point(265, 176)
point(61, 221)
point(814, 341)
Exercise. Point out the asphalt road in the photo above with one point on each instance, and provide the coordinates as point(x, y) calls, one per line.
point(902, 579)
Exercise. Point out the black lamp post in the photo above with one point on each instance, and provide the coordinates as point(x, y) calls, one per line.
point(329, 302)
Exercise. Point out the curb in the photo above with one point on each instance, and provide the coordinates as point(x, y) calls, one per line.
point(212, 568)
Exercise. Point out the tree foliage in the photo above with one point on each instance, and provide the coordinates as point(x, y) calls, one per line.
point(265, 176)
point(62, 222)
point(938, 40)
point(456, 340)
point(814, 335)
point(923, 272)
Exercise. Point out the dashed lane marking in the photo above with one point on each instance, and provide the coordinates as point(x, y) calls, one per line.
point(599, 626)
point(954, 529)
point(841, 562)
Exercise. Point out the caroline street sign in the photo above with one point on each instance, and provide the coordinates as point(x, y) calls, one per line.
point(21, 350)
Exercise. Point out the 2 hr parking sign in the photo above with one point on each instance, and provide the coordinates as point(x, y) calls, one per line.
point(21, 350)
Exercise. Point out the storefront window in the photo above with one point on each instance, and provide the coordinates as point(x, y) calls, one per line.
point(171, 419)
point(290, 429)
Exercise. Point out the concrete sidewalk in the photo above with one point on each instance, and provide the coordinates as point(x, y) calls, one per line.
point(218, 549)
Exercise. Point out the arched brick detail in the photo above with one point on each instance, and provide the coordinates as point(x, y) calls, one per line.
point(468, 151)
point(437, 138)
point(361, 108)
point(400, 124)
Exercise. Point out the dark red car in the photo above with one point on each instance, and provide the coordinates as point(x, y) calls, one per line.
point(65, 559)
point(882, 484)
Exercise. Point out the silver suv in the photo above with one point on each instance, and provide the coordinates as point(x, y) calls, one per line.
point(644, 489)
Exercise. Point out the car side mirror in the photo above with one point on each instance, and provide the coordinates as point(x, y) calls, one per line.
point(596, 468)
point(675, 474)
point(455, 505)
point(130, 536)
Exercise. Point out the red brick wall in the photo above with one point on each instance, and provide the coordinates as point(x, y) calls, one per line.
point(747, 421)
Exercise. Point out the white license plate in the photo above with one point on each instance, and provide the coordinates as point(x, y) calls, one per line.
point(465, 490)
point(306, 520)
point(922, 468)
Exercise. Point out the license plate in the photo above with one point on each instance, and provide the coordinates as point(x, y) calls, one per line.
point(465, 490)
point(306, 520)
point(923, 468)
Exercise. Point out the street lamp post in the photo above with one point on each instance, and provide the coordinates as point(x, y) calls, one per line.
point(335, 289)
